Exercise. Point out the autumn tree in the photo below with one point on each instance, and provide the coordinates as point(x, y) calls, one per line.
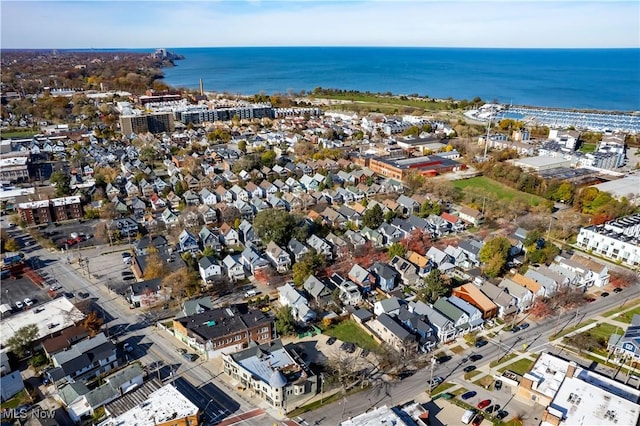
point(494, 255)
point(156, 267)
point(541, 308)
point(93, 323)
point(10, 244)
point(307, 266)
point(274, 225)
point(23, 339)
point(414, 181)
point(183, 282)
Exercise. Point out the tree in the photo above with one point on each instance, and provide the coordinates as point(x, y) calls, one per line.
point(285, 323)
point(494, 254)
point(182, 282)
point(22, 340)
point(62, 182)
point(414, 181)
point(436, 285)
point(242, 146)
point(541, 308)
point(268, 158)
point(389, 216)
point(156, 267)
point(396, 249)
point(373, 217)
point(274, 225)
point(93, 323)
point(306, 266)
point(11, 245)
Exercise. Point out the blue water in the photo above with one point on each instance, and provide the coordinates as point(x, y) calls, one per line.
point(604, 79)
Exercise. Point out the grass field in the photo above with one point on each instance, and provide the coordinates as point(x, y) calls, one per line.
point(520, 367)
point(570, 329)
point(349, 331)
point(588, 148)
point(620, 309)
point(628, 316)
point(17, 134)
point(502, 360)
point(501, 191)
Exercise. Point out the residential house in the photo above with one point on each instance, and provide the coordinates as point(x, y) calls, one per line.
point(228, 235)
point(389, 306)
point(549, 284)
point(507, 304)
point(419, 326)
point(188, 242)
point(472, 294)
point(321, 247)
point(471, 216)
point(459, 257)
point(523, 296)
point(407, 270)
point(458, 317)
point(474, 314)
point(592, 272)
point(443, 261)
point(84, 361)
point(290, 296)
point(423, 264)
point(169, 218)
point(340, 247)
point(455, 223)
point(208, 238)
point(317, 290)
point(10, 385)
point(362, 277)
point(375, 237)
point(355, 239)
point(333, 218)
point(208, 214)
point(158, 242)
point(210, 269)
point(148, 293)
point(252, 260)
point(278, 257)
point(248, 235)
point(254, 190)
point(173, 200)
point(234, 268)
point(126, 226)
point(385, 276)
point(157, 203)
point(390, 234)
point(131, 189)
point(471, 249)
point(534, 287)
point(247, 211)
point(442, 326)
point(408, 205)
point(393, 334)
point(349, 291)
point(197, 306)
point(297, 249)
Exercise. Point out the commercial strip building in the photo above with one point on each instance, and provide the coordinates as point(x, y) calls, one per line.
point(574, 395)
point(618, 240)
point(53, 210)
point(399, 168)
point(627, 187)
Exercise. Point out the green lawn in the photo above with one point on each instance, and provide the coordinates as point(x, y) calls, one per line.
point(588, 148)
point(471, 374)
point(350, 331)
point(604, 331)
point(21, 398)
point(501, 191)
point(628, 316)
point(442, 388)
point(502, 360)
point(457, 350)
point(18, 134)
point(620, 309)
point(426, 105)
point(570, 329)
point(520, 367)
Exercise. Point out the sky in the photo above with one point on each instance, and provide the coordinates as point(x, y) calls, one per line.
point(173, 23)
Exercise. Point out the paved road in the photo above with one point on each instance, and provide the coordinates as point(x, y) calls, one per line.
point(536, 337)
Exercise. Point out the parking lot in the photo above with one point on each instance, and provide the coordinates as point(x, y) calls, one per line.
point(20, 288)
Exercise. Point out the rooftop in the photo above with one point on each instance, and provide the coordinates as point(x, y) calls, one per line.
point(547, 374)
point(50, 317)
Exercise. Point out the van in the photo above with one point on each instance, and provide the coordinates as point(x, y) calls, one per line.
point(250, 293)
point(468, 416)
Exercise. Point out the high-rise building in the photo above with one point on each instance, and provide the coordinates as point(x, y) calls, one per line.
point(157, 122)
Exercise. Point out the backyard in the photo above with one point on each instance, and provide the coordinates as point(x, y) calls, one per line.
point(501, 191)
point(350, 331)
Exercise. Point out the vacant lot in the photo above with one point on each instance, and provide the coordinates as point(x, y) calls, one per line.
point(501, 191)
point(520, 367)
point(350, 331)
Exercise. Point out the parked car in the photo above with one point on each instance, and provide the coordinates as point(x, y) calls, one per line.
point(493, 408)
point(469, 395)
point(524, 326)
point(55, 287)
point(19, 304)
point(484, 404)
point(83, 294)
point(364, 353)
point(469, 368)
point(605, 294)
point(28, 302)
point(477, 420)
point(181, 351)
point(590, 299)
point(475, 357)
point(331, 340)
point(497, 385)
point(481, 343)
point(190, 357)
point(617, 289)
point(515, 329)
point(127, 347)
point(443, 359)
point(502, 414)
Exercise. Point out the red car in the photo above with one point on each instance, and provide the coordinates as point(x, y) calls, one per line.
point(484, 404)
point(477, 420)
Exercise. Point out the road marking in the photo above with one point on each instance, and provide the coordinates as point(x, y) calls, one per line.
point(242, 417)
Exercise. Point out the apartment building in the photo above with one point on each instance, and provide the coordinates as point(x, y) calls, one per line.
point(53, 210)
point(618, 240)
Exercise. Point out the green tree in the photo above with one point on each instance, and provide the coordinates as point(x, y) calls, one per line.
point(306, 266)
point(396, 249)
point(274, 225)
point(436, 285)
point(494, 254)
point(389, 216)
point(62, 182)
point(242, 146)
point(373, 217)
point(268, 158)
point(285, 323)
point(414, 181)
point(22, 340)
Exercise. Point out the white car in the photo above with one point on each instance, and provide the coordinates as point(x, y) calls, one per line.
point(19, 305)
point(28, 302)
point(55, 287)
